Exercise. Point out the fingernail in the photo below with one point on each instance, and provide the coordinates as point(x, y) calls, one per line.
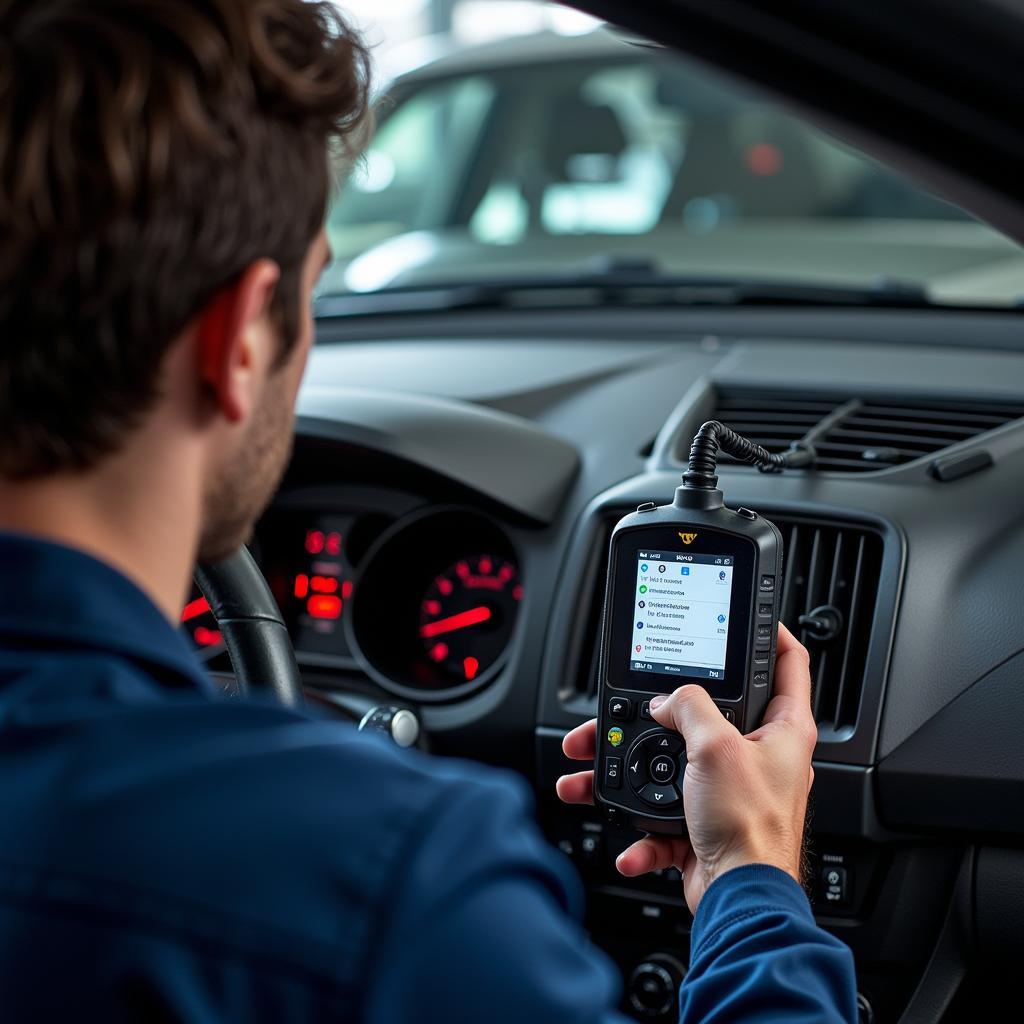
point(656, 702)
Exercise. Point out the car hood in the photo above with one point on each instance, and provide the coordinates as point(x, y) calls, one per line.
point(954, 261)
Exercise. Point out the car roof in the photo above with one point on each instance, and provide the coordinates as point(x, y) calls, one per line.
point(534, 48)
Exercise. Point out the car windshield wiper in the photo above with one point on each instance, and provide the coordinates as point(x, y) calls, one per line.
point(620, 283)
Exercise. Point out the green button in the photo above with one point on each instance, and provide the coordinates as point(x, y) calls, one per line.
point(615, 736)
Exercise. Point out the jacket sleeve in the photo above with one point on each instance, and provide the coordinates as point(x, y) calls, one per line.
point(757, 956)
point(484, 924)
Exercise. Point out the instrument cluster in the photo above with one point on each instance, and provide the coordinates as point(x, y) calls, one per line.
point(425, 602)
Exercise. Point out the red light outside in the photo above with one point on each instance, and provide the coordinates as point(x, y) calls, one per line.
point(763, 159)
point(332, 544)
point(301, 585)
point(346, 589)
point(323, 585)
point(470, 666)
point(315, 541)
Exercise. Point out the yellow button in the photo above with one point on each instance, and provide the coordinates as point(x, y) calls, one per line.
point(615, 736)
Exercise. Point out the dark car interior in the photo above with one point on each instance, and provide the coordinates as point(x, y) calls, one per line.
point(439, 548)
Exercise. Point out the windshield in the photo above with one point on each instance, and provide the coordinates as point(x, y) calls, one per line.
point(500, 170)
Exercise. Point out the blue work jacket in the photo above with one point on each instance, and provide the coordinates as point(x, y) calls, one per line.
point(169, 855)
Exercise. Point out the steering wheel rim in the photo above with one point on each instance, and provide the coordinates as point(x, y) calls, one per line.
point(254, 633)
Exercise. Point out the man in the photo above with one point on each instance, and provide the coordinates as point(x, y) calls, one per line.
point(168, 856)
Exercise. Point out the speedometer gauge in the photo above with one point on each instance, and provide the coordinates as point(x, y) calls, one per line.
point(467, 613)
point(435, 605)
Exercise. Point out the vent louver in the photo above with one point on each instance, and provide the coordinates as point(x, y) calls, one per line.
point(855, 435)
point(832, 566)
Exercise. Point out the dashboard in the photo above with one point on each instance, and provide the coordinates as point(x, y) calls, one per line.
point(440, 540)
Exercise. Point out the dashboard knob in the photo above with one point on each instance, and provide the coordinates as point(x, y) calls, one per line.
point(654, 985)
point(865, 1011)
point(400, 724)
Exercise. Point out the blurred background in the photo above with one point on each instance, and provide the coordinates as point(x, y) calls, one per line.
point(522, 143)
point(407, 32)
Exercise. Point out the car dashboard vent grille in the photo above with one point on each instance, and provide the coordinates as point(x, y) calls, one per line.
point(855, 435)
point(831, 576)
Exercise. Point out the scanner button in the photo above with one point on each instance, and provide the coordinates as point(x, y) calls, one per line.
point(616, 736)
point(761, 657)
point(620, 708)
point(645, 711)
point(666, 743)
point(764, 631)
point(613, 772)
point(660, 796)
point(728, 714)
point(760, 678)
point(636, 770)
point(767, 584)
point(663, 769)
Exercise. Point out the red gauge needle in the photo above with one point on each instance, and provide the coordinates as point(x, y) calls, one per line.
point(473, 617)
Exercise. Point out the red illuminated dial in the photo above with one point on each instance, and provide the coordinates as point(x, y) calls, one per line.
point(198, 621)
point(467, 614)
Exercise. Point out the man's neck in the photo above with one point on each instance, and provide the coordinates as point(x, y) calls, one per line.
point(138, 512)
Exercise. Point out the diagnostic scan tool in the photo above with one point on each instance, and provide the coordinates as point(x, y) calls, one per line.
point(692, 597)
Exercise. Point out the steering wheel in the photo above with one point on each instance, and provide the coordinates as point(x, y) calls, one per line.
point(254, 633)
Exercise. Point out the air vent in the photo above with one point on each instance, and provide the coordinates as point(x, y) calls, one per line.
point(830, 584)
point(856, 435)
point(830, 581)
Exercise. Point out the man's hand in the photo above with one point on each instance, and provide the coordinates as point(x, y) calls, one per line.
point(745, 797)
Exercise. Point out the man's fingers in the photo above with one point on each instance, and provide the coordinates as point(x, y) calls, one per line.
point(791, 702)
point(576, 789)
point(792, 668)
point(694, 715)
point(581, 743)
point(652, 854)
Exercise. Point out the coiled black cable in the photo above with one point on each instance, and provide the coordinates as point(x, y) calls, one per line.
point(714, 437)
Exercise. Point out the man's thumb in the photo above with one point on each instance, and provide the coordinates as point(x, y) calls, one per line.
point(692, 713)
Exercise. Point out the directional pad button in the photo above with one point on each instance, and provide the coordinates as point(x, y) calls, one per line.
point(660, 796)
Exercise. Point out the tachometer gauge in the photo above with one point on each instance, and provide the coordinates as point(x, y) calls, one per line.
point(467, 613)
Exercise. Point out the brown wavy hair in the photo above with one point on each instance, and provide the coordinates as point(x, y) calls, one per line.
point(150, 150)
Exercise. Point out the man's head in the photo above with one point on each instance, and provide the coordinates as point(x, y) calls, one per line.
point(164, 172)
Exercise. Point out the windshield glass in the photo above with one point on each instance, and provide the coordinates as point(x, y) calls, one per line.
point(497, 168)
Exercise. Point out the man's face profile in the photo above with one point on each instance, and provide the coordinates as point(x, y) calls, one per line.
point(246, 477)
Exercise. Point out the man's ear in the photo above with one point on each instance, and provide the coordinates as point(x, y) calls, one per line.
point(236, 345)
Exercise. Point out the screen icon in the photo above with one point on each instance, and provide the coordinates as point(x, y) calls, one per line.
point(723, 575)
point(643, 589)
point(721, 618)
point(642, 604)
point(686, 570)
point(661, 568)
point(639, 625)
point(643, 567)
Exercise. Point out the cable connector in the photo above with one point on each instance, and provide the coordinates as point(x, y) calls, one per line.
point(714, 436)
